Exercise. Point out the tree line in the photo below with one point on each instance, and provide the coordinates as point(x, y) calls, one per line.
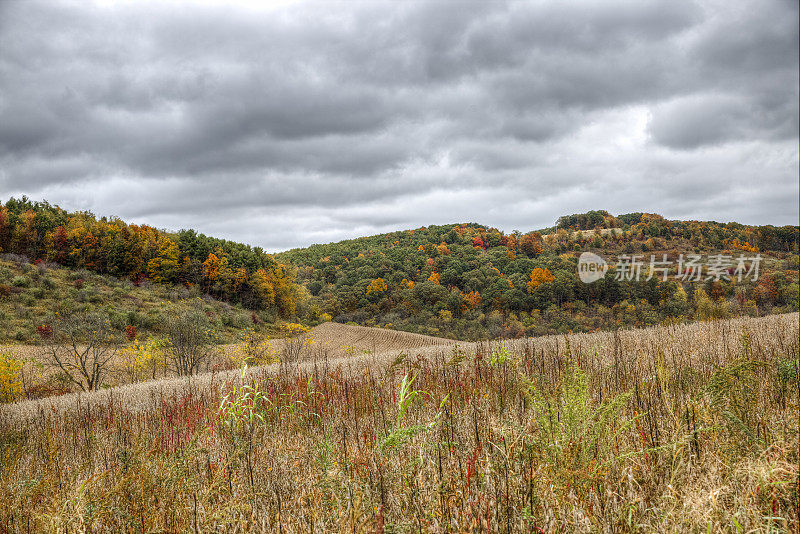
point(79, 240)
point(470, 281)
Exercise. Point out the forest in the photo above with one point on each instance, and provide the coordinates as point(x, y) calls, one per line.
point(468, 281)
point(223, 269)
point(462, 281)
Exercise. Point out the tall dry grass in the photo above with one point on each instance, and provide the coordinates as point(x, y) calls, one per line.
point(669, 429)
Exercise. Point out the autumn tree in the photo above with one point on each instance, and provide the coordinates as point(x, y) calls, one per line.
point(285, 290)
point(264, 289)
point(25, 234)
point(377, 286)
point(539, 276)
point(60, 247)
point(189, 342)
point(165, 267)
point(531, 244)
point(82, 347)
point(472, 300)
point(5, 229)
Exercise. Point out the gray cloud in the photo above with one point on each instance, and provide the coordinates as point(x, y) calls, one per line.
point(309, 122)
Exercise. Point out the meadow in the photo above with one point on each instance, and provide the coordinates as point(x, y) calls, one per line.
point(683, 428)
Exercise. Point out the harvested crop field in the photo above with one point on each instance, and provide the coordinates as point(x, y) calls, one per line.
point(339, 340)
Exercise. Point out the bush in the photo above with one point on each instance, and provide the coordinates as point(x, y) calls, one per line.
point(787, 371)
point(80, 274)
point(118, 319)
point(21, 281)
point(10, 384)
point(90, 295)
point(134, 318)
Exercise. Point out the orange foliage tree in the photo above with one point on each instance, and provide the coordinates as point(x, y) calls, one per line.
point(539, 276)
point(472, 300)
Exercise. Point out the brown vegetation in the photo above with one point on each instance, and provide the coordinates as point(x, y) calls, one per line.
point(683, 428)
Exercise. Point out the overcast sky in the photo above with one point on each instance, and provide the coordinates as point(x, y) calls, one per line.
point(305, 122)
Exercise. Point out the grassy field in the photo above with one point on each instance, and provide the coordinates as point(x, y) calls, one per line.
point(671, 429)
point(39, 378)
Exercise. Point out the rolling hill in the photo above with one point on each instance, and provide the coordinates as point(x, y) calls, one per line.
point(460, 281)
point(467, 281)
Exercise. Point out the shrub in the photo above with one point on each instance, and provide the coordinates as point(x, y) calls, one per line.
point(500, 355)
point(21, 281)
point(576, 437)
point(45, 331)
point(253, 349)
point(787, 371)
point(140, 361)
point(10, 383)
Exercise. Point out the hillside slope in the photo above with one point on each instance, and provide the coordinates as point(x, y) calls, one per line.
point(468, 281)
point(30, 295)
point(38, 232)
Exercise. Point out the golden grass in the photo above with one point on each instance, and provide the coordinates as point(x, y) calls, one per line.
point(339, 445)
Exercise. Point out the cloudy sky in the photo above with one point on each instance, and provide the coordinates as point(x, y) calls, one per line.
point(283, 124)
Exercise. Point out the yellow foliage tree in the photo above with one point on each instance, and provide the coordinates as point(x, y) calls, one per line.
point(376, 286)
point(539, 276)
point(283, 282)
point(140, 361)
point(164, 268)
point(10, 383)
point(263, 287)
point(211, 268)
point(472, 300)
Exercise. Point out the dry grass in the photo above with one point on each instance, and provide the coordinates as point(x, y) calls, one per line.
point(346, 341)
point(332, 339)
point(670, 429)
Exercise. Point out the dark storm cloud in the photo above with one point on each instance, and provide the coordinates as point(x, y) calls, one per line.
point(321, 121)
